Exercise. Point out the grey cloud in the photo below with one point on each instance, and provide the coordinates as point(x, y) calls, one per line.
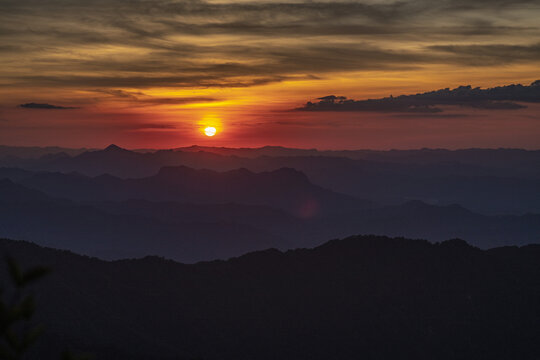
point(500, 98)
point(120, 93)
point(140, 81)
point(271, 65)
point(45, 106)
point(482, 55)
point(432, 116)
point(286, 39)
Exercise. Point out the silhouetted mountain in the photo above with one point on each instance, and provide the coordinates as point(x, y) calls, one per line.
point(489, 181)
point(484, 190)
point(272, 151)
point(13, 193)
point(491, 158)
point(31, 215)
point(259, 216)
point(416, 219)
point(57, 222)
point(494, 158)
point(34, 152)
point(413, 219)
point(285, 188)
point(111, 160)
point(362, 297)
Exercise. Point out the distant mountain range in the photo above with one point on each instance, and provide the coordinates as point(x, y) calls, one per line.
point(63, 224)
point(199, 203)
point(504, 157)
point(36, 152)
point(285, 188)
point(362, 297)
point(498, 181)
point(189, 231)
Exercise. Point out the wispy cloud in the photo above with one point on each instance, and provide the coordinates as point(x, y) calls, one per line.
point(491, 54)
point(138, 98)
point(141, 44)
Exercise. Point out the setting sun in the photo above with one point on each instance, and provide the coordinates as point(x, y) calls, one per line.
point(210, 131)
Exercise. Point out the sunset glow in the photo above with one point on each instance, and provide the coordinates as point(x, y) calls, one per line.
point(202, 178)
point(147, 78)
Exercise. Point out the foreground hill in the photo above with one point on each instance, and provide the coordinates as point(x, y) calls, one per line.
point(362, 297)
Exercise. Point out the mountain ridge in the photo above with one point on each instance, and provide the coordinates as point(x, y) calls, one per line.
point(359, 293)
point(493, 181)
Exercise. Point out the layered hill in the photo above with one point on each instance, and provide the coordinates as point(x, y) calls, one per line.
point(285, 188)
point(32, 215)
point(192, 231)
point(489, 181)
point(362, 297)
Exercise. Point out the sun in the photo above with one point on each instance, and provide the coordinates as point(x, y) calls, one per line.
point(210, 131)
point(210, 125)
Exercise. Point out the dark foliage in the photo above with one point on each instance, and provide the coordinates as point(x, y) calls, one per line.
point(363, 297)
point(17, 307)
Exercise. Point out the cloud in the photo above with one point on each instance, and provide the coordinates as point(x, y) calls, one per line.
point(506, 97)
point(173, 101)
point(138, 98)
point(486, 55)
point(431, 116)
point(196, 43)
point(188, 81)
point(45, 106)
point(120, 93)
point(153, 126)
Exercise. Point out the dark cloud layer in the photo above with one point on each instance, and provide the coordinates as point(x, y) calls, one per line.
point(195, 43)
point(45, 106)
point(498, 98)
point(491, 54)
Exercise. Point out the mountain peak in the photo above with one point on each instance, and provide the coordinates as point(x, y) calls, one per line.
point(456, 244)
point(114, 147)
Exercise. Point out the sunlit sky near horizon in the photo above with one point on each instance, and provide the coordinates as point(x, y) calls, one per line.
point(155, 74)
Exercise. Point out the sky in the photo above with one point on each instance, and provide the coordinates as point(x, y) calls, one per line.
point(154, 74)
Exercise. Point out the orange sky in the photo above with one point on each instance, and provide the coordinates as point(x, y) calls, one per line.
point(153, 74)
